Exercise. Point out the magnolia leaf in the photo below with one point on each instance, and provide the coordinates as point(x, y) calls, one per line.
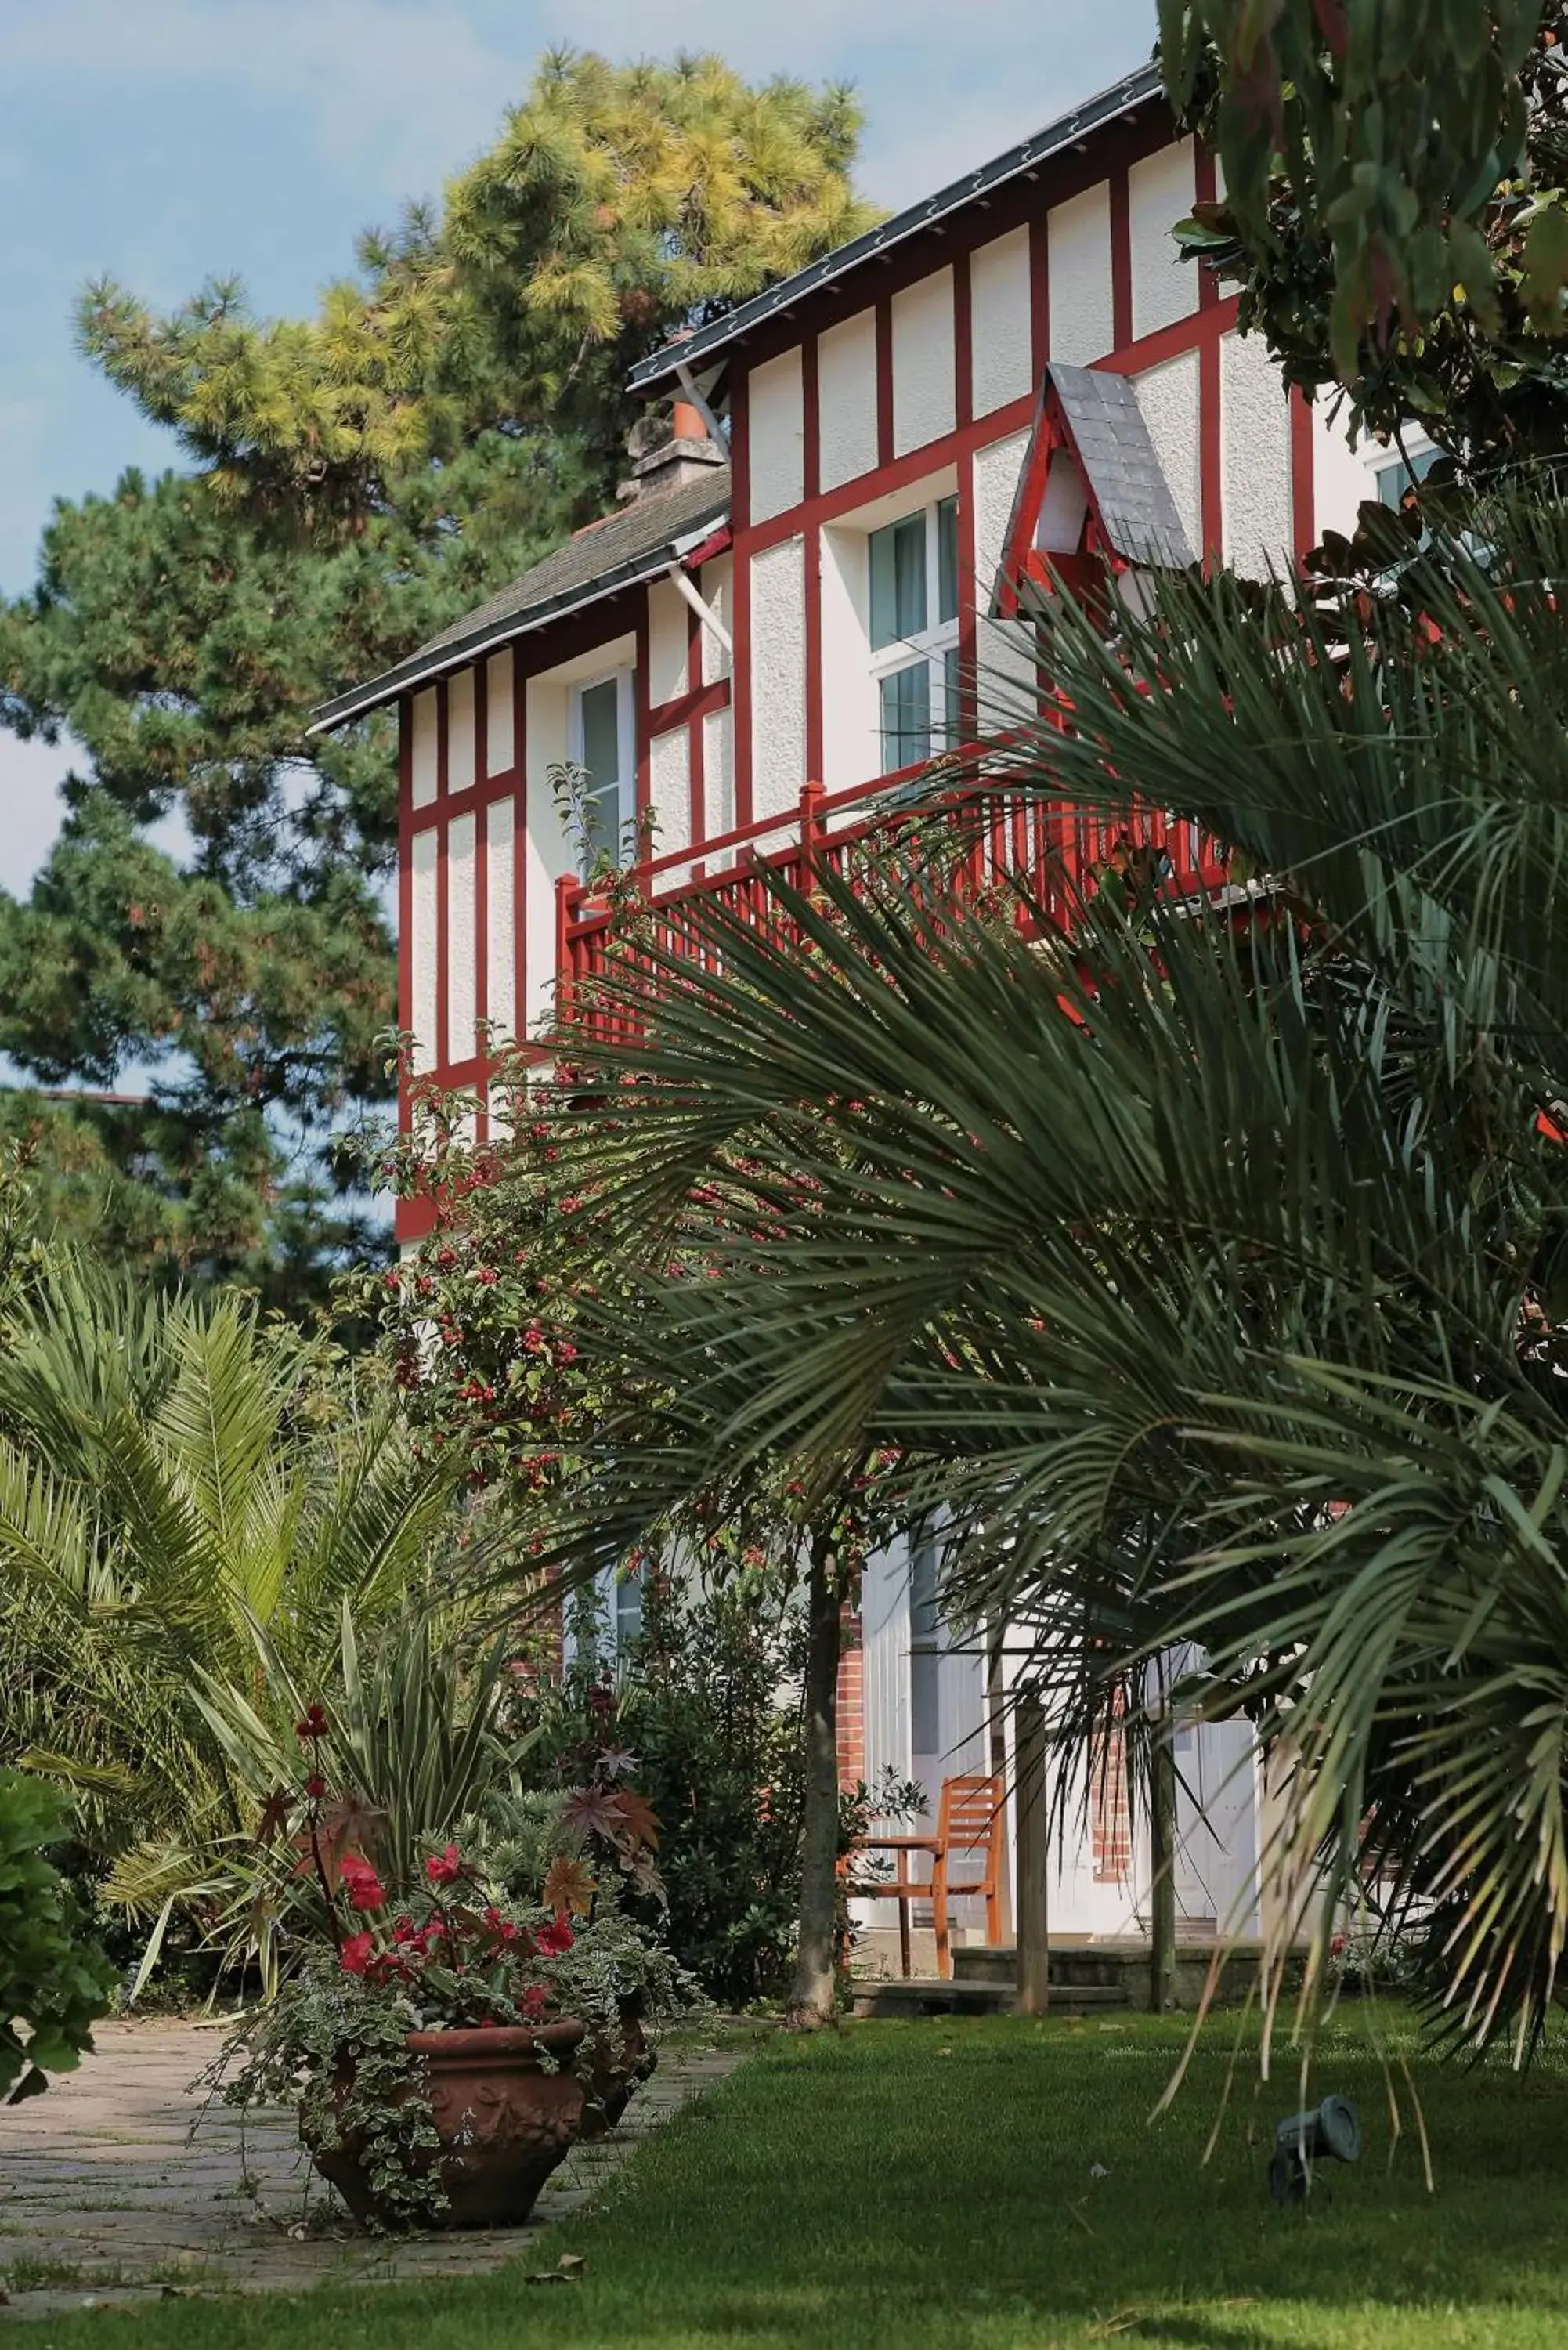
point(566, 2271)
point(1546, 270)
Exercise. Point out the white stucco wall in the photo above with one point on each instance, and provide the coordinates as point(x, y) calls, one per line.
point(1079, 235)
point(424, 735)
point(1002, 657)
point(547, 849)
point(500, 740)
point(775, 435)
point(1255, 478)
point(668, 617)
point(846, 399)
point(1169, 397)
point(669, 787)
point(1341, 477)
point(1161, 190)
point(851, 739)
point(501, 917)
point(459, 725)
point(778, 677)
point(1002, 365)
point(719, 772)
point(923, 362)
point(717, 586)
point(422, 1014)
point(462, 940)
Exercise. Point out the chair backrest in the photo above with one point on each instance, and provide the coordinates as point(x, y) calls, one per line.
point(970, 1814)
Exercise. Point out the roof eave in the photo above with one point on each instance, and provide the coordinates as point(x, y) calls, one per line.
point(423, 669)
point(1108, 106)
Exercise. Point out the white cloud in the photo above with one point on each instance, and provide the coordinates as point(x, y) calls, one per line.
point(399, 93)
point(404, 91)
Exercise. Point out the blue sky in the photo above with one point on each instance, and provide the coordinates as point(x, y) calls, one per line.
point(169, 140)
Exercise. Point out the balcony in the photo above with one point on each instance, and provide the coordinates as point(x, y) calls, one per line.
point(1003, 840)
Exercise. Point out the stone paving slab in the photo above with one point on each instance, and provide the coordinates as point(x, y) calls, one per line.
point(106, 2198)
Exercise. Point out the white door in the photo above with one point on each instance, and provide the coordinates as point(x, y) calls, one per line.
point(885, 1640)
point(1217, 1826)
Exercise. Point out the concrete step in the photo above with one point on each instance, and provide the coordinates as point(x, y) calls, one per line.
point(1122, 1966)
point(924, 1995)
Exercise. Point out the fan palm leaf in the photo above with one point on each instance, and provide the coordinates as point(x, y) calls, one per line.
point(1192, 1269)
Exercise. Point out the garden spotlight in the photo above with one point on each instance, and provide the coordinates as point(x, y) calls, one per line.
point(1331, 2133)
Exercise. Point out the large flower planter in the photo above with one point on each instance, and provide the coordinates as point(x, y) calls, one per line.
point(614, 2063)
point(503, 2118)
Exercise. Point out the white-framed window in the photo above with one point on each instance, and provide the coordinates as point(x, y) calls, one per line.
point(1400, 472)
point(913, 607)
point(602, 741)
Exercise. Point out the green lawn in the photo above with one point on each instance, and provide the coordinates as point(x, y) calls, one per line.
point(930, 2186)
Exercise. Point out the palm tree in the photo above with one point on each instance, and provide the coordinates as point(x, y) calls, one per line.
point(186, 1504)
point(1208, 1271)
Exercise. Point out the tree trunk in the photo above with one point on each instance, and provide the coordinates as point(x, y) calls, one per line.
point(1032, 1947)
point(812, 1994)
point(1162, 1867)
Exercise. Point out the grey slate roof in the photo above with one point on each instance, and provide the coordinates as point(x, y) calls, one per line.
point(1135, 89)
point(1121, 468)
point(636, 542)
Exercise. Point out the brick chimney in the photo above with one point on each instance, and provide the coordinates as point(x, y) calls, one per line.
point(669, 450)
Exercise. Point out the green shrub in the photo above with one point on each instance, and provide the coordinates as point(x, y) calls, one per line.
point(705, 1701)
point(54, 1979)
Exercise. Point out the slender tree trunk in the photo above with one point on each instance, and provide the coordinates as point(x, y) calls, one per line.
point(1033, 1945)
point(1162, 1859)
point(811, 1999)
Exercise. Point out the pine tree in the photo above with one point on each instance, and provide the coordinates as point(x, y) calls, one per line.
point(355, 480)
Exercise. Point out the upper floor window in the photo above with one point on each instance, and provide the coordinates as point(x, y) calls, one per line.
point(603, 743)
point(914, 612)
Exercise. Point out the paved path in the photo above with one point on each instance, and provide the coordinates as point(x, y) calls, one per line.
point(104, 2196)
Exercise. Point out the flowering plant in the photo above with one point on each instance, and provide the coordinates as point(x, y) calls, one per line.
point(440, 1946)
point(435, 1942)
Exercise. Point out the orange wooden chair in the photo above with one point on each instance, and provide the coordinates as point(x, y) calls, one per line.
point(970, 1818)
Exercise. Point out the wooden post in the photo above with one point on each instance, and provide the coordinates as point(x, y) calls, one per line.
point(996, 1764)
point(1029, 1898)
point(1162, 1870)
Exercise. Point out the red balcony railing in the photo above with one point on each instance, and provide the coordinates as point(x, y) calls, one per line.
point(1002, 838)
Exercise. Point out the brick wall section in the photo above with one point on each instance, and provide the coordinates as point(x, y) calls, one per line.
point(1111, 1811)
point(851, 1703)
point(541, 1655)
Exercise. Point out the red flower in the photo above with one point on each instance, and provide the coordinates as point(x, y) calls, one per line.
point(535, 2001)
point(441, 1868)
point(360, 1882)
point(316, 1786)
point(314, 1725)
point(553, 1940)
point(357, 1953)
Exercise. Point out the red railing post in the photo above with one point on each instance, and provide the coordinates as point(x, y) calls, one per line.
point(811, 799)
point(569, 893)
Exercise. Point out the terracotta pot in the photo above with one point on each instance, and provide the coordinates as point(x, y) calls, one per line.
point(615, 2064)
point(505, 2124)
